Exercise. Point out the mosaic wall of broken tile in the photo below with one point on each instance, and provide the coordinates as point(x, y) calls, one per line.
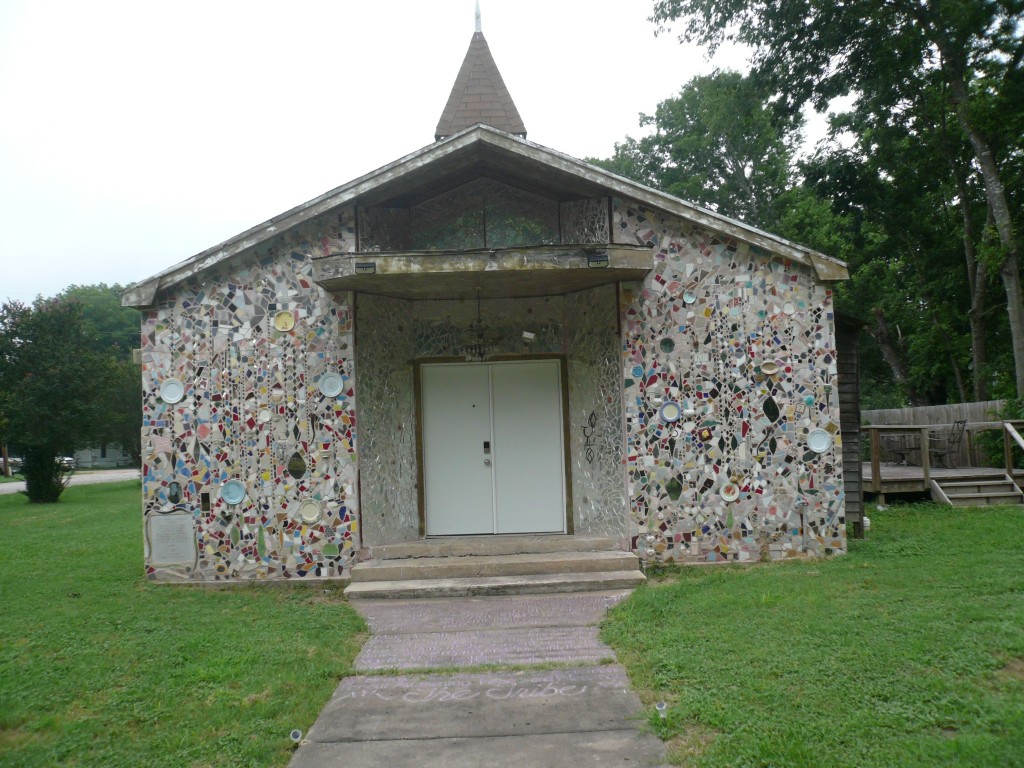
point(596, 438)
point(387, 419)
point(249, 426)
point(731, 404)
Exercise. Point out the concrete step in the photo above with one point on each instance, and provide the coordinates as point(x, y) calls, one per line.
point(445, 546)
point(472, 566)
point(497, 585)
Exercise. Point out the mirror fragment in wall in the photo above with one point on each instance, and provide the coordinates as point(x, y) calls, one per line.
point(174, 492)
point(296, 466)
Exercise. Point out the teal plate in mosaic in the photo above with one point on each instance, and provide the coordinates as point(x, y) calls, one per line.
point(232, 492)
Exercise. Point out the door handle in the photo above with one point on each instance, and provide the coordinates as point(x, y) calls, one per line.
point(487, 462)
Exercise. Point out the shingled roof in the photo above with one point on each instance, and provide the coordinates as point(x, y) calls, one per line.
point(479, 96)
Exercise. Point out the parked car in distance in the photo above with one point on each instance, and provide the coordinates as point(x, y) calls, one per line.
point(67, 463)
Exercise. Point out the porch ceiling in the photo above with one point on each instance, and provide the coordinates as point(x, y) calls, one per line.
point(501, 273)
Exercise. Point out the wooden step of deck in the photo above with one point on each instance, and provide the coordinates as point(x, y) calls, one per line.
point(985, 499)
point(979, 491)
point(976, 486)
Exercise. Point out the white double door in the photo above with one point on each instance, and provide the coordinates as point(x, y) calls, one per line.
point(493, 455)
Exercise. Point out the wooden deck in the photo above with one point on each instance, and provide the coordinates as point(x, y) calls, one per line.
point(900, 478)
point(916, 472)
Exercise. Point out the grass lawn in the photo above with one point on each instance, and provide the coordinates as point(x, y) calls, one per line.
point(99, 667)
point(908, 651)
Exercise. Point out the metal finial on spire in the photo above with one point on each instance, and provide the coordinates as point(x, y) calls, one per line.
point(478, 16)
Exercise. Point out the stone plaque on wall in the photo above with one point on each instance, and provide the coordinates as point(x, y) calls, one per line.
point(172, 540)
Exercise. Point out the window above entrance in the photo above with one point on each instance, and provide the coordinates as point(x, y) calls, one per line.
point(481, 215)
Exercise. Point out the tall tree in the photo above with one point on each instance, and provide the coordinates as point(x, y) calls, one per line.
point(108, 326)
point(908, 224)
point(120, 403)
point(49, 385)
point(112, 331)
point(720, 144)
point(877, 50)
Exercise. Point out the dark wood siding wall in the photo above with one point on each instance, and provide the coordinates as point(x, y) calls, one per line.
point(847, 333)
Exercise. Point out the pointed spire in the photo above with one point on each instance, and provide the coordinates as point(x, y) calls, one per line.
point(479, 94)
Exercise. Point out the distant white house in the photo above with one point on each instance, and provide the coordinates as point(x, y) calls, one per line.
point(103, 457)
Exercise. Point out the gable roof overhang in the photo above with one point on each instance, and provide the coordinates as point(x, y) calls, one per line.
point(469, 154)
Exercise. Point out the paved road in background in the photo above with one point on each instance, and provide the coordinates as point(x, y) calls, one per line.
point(82, 478)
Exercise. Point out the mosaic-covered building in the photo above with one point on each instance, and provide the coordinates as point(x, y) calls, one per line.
point(488, 337)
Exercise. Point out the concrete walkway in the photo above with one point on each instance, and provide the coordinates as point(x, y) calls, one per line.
point(569, 705)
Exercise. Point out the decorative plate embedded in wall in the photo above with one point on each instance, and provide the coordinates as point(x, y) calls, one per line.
point(689, 297)
point(769, 367)
point(309, 511)
point(670, 412)
point(819, 441)
point(232, 492)
point(331, 384)
point(730, 492)
point(171, 391)
point(284, 320)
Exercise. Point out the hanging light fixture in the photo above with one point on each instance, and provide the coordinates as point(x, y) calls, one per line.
point(476, 347)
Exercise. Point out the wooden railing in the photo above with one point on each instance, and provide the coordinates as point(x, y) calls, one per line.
point(914, 450)
point(875, 433)
point(1011, 436)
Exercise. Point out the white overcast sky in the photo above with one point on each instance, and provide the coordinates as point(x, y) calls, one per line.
point(134, 134)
